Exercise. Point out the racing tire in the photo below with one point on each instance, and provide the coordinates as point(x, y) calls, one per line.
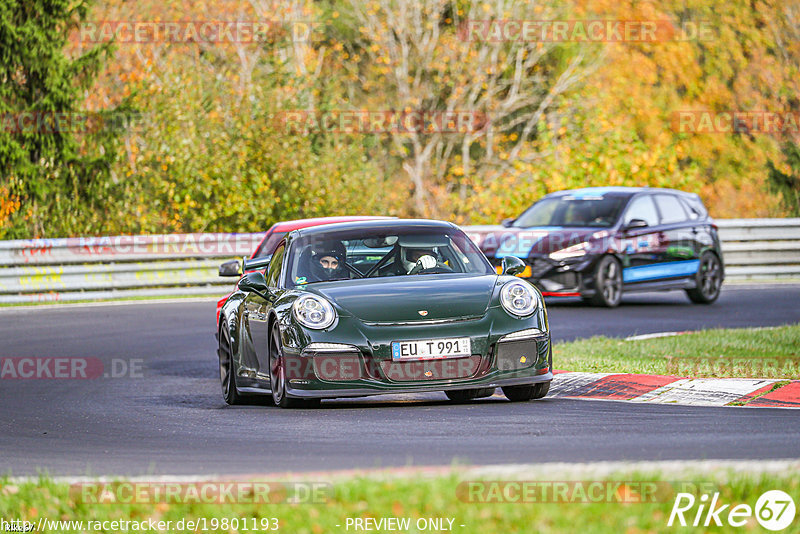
point(227, 368)
point(277, 376)
point(608, 283)
point(526, 393)
point(708, 279)
point(540, 390)
point(466, 395)
point(518, 393)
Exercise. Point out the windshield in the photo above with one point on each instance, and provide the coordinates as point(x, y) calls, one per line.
point(594, 211)
point(373, 253)
point(267, 246)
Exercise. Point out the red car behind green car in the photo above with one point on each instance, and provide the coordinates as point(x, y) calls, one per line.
point(273, 236)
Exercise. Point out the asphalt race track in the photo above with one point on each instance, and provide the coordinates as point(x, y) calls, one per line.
point(169, 417)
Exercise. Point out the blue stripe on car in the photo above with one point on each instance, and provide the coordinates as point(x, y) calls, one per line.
point(671, 269)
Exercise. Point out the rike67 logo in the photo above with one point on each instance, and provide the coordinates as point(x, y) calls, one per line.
point(774, 510)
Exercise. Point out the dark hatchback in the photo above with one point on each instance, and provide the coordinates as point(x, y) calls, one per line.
point(597, 243)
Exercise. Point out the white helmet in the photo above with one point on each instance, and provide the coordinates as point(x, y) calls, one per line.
point(411, 255)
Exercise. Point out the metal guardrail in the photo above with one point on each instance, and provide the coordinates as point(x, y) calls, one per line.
point(43, 270)
point(760, 248)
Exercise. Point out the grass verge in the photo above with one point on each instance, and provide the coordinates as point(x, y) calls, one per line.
point(450, 497)
point(728, 353)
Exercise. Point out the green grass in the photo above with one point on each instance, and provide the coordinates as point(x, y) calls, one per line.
point(748, 352)
point(436, 497)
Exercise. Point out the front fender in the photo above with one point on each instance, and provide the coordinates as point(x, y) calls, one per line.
point(230, 317)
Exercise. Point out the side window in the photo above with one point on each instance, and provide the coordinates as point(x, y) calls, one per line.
point(642, 207)
point(274, 269)
point(671, 209)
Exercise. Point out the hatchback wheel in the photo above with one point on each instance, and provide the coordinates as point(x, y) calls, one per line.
point(708, 278)
point(608, 283)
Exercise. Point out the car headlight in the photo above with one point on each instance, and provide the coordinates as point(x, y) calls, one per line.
point(519, 299)
point(313, 312)
point(575, 251)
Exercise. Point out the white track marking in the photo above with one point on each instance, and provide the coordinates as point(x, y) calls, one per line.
point(703, 391)
point(655, 335)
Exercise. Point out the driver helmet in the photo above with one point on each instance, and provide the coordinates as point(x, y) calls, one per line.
point(327, 261)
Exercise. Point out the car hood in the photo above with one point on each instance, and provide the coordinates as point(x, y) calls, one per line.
point(402, 299)
point(523, 242)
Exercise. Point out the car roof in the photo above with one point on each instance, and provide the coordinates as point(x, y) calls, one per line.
point(288, 226)
point(383, 224)
point(615, 190)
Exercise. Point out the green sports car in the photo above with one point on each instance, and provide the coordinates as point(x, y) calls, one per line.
point(386, 306)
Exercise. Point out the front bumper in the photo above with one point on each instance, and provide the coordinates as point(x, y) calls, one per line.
point(383, 389)
point(559, 278)
point(341, 370)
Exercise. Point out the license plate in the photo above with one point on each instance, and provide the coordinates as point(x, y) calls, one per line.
point(431, 348)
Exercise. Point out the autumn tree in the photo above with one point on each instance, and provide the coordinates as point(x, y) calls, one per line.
point(52, 167)
point(423, 55)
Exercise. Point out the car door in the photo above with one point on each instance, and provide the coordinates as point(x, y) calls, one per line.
point(640, 247)
point(259, 323)
point(253, 318)
point(703, 233)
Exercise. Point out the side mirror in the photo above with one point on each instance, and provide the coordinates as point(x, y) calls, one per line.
point(634, 224)
point(230, 268)
point(254, 282)
point(506, 223)
point(512, 265)
point(255, 263)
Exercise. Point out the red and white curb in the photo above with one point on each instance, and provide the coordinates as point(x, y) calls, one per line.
point(659, 389)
